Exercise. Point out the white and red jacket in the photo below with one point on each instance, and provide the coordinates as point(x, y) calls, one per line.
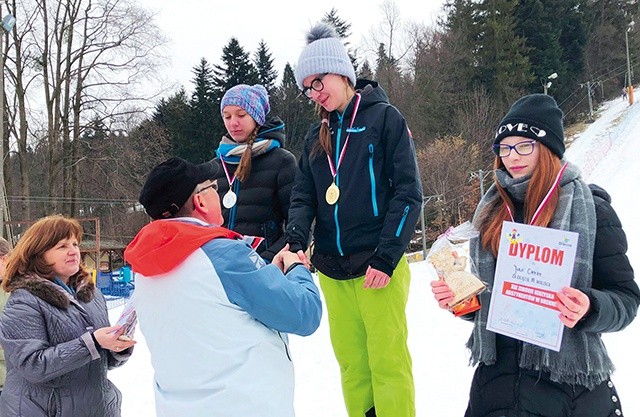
point(213, 313)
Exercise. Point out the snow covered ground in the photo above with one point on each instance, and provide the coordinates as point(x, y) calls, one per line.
point(608, 156)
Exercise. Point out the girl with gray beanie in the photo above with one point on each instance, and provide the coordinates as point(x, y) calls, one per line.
point(257, 176)
point(534, 185)
point(358, 179)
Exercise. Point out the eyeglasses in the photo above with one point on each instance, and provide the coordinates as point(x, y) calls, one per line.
point(213, 185)
point(316, 85)
point(522, 148)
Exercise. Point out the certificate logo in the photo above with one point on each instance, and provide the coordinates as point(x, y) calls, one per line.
point(514, 237)
point(565, 242)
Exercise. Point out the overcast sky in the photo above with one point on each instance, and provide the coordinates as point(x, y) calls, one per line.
point(201, 28)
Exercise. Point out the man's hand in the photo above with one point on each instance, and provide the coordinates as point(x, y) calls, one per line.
point(285, 258)
point(278, 259)
point(290, 258)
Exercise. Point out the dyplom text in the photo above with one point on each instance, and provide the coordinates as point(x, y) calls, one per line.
point(537, 253)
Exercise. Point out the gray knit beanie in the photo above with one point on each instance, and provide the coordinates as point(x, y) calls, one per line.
point(324, 53)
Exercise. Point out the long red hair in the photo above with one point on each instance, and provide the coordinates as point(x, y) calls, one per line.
point(492, 216)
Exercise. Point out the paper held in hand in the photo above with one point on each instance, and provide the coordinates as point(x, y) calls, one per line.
point(128, 319)
point(533, 264)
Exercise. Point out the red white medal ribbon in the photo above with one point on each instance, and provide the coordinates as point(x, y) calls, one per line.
point(334, 170)
point(226, 173)
point(546, 198)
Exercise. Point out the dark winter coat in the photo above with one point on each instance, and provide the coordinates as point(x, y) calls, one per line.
point(54, 367)
point(380, 191)
point(263, 198)
point(505, 389)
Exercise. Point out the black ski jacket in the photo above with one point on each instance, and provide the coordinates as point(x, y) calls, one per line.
point(263, 198)
point(380, 191)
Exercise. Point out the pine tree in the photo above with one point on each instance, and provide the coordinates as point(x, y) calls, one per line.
point(236, 68)
point(263, 62)
point(365, 71)
point(173, 116)
point(537, 23)
point(388, 73)
point(295, 110)
point(606, 23)
point(343, 30)
point(573, 41)
point(502, 56)
point(456, 48)
point(205, 118)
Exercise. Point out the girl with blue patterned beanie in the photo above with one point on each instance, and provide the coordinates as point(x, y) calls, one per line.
point(257, 176)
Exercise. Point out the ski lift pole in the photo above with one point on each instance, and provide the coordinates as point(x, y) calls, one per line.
point(425, 201)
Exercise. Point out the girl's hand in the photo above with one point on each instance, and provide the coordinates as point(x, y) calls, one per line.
point(442, 293)
point(375, 279)
point(573, 305)
point(304, 259)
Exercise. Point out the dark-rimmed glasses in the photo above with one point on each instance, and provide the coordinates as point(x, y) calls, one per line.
point(316, 85)
point(523, 148)
point(213, 185)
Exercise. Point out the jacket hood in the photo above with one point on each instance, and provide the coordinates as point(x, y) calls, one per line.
point(273, 129)
point(162, 245)
point(370, 92)
point(598, 191)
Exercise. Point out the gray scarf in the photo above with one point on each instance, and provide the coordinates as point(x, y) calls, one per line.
point(582, 359)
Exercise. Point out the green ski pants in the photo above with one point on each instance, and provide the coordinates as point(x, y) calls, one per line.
point(368, 330)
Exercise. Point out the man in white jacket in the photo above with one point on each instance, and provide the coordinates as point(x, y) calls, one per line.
point(214, 315)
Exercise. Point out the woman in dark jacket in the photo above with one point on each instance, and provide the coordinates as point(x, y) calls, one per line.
point(257, 166)
point(534, 185)
point(55, 329)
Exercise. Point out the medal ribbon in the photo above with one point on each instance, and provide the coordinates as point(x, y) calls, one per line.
point(334, 170)
point(545, 200)
point(226, 173)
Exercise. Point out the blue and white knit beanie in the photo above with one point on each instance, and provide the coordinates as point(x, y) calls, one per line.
point(253, 99)
point(324, 53)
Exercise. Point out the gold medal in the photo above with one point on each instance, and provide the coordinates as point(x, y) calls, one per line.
point(332, 194)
